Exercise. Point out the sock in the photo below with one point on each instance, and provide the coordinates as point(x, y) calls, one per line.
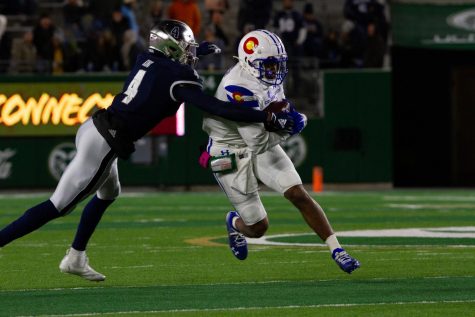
point(74, 252)
point(332, 243)
point(31, 220)
point(233, 223)
point(90, 217)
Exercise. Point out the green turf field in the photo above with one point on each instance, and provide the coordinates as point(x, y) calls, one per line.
point(166, 255)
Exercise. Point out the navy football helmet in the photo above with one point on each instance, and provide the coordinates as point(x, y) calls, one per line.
point(175, 40)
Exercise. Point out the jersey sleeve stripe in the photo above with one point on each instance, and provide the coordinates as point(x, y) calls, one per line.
point(178, 82)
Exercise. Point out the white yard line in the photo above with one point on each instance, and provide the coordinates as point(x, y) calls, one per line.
point(261, 308)
point(59, 289)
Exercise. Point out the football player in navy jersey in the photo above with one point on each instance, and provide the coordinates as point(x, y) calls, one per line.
point(160, 81)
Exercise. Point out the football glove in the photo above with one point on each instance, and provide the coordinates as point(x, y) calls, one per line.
point(300, 122)
point(206, 48)
point(280, 121)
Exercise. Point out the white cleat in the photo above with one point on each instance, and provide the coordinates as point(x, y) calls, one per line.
point(76, 262)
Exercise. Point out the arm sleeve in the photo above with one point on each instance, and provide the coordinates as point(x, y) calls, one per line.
point(258, 139)
point(192, 94)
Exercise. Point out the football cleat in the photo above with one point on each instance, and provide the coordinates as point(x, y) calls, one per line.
point(237, 241)
point(345, 261)
point(77, 263)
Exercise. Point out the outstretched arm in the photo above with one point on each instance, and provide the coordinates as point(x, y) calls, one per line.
point(194, 95)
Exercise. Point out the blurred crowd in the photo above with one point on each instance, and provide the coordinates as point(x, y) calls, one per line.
point(107, 35)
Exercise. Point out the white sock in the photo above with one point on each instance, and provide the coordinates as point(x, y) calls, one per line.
point(233, 222)
point(332, 243)
point(74, 252)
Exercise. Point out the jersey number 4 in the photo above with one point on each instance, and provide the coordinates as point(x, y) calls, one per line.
point(133, 87)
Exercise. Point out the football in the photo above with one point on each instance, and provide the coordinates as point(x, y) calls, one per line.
point(278, 106)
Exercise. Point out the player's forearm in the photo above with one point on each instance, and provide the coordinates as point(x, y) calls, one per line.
point(217, 107)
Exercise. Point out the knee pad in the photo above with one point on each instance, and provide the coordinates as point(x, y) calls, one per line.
point(250, 208)
point(109, 192)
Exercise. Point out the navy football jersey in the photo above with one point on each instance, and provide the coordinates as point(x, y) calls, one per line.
point(147, 96)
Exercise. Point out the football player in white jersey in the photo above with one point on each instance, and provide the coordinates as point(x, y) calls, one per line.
point(239, 154)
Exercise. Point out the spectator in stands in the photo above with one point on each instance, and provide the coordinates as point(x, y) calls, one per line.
point(5, 44)
point(101, 11)
point(186, 11)
point(23, 55)
point(154, 16)
point(119, 26)
point(3, 25)
point(73, 52)
point(331, 54)
point(58, 56)
point(378, 18)
point(364, 12)
point(352, 44)
point(254, 12)
point(212, 62)
point(103, 54)
point(130, 49)
point(127, 10)
point(216, 25)
point(290, 25)
point(313, 45)
point(375, 48)
point(73, 12)
point(216, 5)
point(43, 39)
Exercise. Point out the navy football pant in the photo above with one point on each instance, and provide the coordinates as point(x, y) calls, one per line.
point(93, 169)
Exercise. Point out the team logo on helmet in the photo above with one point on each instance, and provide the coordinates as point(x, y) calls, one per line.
point(175, 32)
point(250, 45)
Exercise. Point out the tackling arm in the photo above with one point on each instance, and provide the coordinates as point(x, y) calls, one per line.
point(194, 95)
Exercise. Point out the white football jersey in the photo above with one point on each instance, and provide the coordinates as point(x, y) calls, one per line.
point(238, 86)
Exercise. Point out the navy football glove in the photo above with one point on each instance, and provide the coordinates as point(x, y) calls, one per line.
point(300, 122)
point(207, 48)
point(280, 121)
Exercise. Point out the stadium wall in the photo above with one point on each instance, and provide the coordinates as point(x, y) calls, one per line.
point(351, 141)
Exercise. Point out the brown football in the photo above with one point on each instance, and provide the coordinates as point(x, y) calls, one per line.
point(278, 106)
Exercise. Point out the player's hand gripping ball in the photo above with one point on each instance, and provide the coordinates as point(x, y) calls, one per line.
point(299, 119)
point(278, 106)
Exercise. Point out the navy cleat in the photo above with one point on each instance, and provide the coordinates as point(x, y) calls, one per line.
point(237, 241)
point(345, 261)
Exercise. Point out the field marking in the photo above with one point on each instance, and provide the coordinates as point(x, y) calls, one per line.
point(204, 241)
point(59, 289)
point(258, 308)
point(429, 198)
point(439, 232)
point(432, 206)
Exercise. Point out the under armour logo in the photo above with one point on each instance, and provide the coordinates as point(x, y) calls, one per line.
point(282, 122)
point(112, 132)
point(224, 152)
point(175, 32)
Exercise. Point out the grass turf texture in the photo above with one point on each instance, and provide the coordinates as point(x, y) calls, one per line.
point(142, 245)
